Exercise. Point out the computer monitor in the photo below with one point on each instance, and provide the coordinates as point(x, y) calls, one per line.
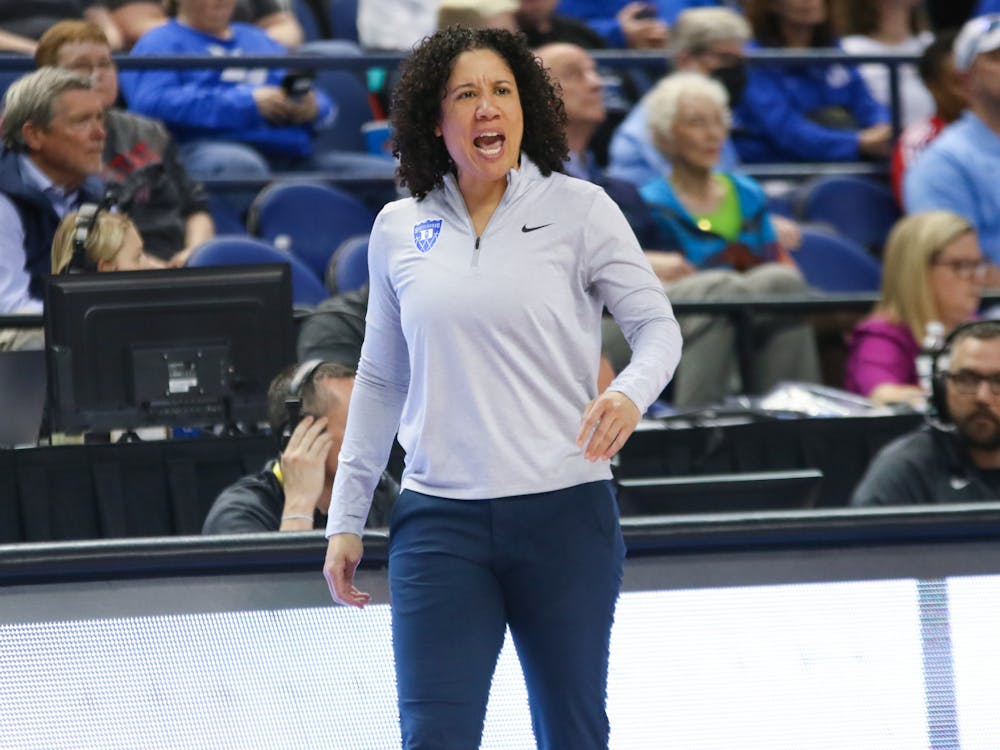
point(719, 493)
point(180, 347)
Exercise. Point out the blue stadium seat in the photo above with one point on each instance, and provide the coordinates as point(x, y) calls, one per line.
point(836, 264)
point(782, 205)
point(344, 19)
point(859, 208)
point(224, 215)
point(234, 250)
point(312, 218)
point(350, 95)
point(348, 267)
point(307, 20)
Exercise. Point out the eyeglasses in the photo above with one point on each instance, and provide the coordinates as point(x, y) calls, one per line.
point(965, 269)
point(88, 68)
point(967, 382)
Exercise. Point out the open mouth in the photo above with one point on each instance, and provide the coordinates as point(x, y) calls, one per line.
point(489, 144)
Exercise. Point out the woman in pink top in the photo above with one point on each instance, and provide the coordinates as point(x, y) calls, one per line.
point(932, 269)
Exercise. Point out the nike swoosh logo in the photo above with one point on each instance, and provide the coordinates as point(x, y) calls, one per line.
point(526, 228)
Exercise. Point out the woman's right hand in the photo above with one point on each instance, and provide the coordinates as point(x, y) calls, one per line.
point(343, 553)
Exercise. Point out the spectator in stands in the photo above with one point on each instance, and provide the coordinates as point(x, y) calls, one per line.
point(169, 209)
point(889, 27)
point(53, 137)
point(478, 14)
point(704, 40)
point(956, 458)
point(621, 23)
point(135, 17)
point(236, 121)
point(717, 241)
point(110, 242)
point(335, 329)
point(958, 171)
point(540, 24)
point(292, 492)
point(395, 24)
point(932, 270)
point(581, 88)
point(937, 71)
point(812, 112)
point(23, 23)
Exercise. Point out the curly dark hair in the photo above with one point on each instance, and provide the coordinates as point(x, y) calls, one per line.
point(416, 105)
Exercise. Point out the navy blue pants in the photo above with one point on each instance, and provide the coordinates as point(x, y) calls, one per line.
point(550, 566)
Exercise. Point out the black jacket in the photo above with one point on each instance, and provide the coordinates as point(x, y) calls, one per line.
point(927, 466)
point(254, 504)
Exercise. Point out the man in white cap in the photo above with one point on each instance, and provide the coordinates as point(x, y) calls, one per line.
point(958, 171)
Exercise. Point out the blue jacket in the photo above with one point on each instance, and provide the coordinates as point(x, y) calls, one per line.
point(38, 218)
point(777, 103)
point(215, 104)
point(600, 14)
point(704, 248)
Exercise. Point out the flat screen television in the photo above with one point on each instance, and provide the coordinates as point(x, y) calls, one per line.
point(179, 347)
point(720, 493)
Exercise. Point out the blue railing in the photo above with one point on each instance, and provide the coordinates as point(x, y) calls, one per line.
point(654, 62)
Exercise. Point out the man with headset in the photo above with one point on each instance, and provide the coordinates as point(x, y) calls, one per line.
point(954, 458)
point(307, 405)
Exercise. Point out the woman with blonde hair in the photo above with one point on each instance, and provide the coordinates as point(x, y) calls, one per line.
point(932, 270)
point(110, 243)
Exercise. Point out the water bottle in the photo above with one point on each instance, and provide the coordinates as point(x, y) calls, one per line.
point(929, 348)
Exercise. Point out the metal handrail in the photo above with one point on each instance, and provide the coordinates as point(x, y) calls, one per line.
point(111, 559)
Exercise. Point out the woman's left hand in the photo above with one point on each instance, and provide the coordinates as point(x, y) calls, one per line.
point(607, 423)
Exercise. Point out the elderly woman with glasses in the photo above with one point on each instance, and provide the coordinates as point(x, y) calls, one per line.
point(716, 241)
point(932, 270)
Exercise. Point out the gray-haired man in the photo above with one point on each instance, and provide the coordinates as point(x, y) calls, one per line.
point(53, 139)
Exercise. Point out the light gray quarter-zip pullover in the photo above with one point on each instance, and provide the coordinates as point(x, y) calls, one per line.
point(483, 351)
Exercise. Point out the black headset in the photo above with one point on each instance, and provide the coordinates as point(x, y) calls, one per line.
point(939, 391)
point(86, 217)
point(293, 399)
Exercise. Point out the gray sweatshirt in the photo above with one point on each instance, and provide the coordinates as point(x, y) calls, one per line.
point(483, 351)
